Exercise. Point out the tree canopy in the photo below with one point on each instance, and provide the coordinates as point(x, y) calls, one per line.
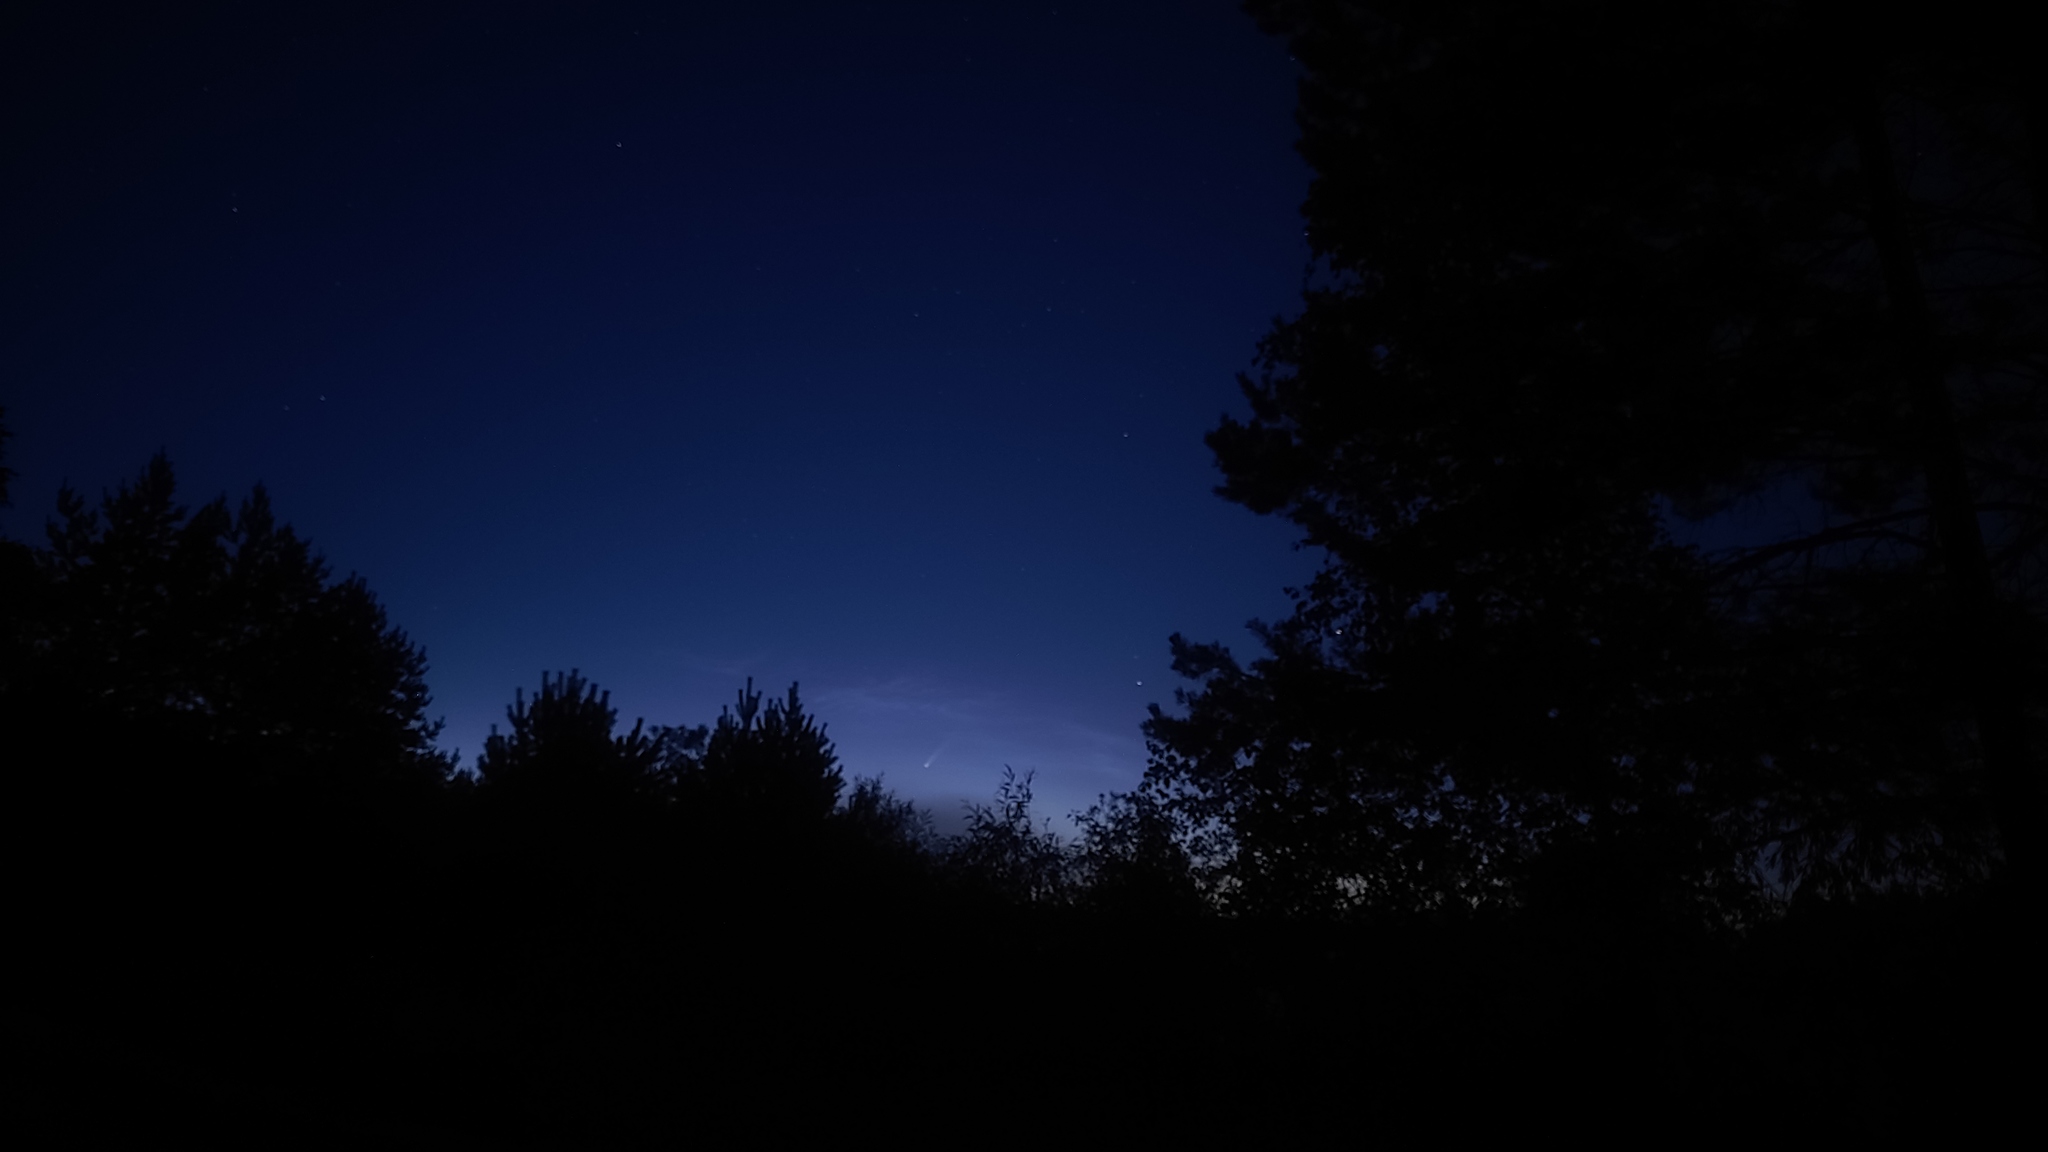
point(223, 631)
point(772, 768)
point(1555, 328)
point(561, 750)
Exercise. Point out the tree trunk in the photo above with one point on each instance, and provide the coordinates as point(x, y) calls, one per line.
point(1989, 664)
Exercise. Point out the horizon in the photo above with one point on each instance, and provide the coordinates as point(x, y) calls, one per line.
point(870, 352)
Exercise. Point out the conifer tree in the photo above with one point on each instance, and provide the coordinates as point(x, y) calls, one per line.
point(221, 639)
point(1590, 271)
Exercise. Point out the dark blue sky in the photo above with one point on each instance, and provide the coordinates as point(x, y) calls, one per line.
point(870, 346)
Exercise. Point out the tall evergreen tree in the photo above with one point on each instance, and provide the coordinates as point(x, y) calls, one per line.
point(1585, 266)
point(224, 635)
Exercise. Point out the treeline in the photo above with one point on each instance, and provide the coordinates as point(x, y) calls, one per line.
point(252, 891)
point(220, 668)
point(1568, 798)
point(255, 898)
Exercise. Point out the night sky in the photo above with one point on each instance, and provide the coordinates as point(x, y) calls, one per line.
point(869, 346)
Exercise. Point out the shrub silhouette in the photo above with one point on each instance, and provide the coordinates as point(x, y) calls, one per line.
point(1004, 852)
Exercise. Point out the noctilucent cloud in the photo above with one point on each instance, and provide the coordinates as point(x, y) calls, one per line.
point(870, 347)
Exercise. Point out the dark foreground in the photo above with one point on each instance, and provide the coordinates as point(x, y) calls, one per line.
point(341, 988)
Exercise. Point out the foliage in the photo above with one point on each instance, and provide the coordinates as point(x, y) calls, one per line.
point(1004, 851)
point(1547, 316)
point(225, 630)
point(878, 817)
point(1133, 858)
point(561, 751)
point(771, 769)
point(520, 968)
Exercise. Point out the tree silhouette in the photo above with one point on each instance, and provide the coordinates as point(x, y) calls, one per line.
point(561, 753)
point(222, 632)
point(225, 783)
point(772, 770)
point(1668, 285)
